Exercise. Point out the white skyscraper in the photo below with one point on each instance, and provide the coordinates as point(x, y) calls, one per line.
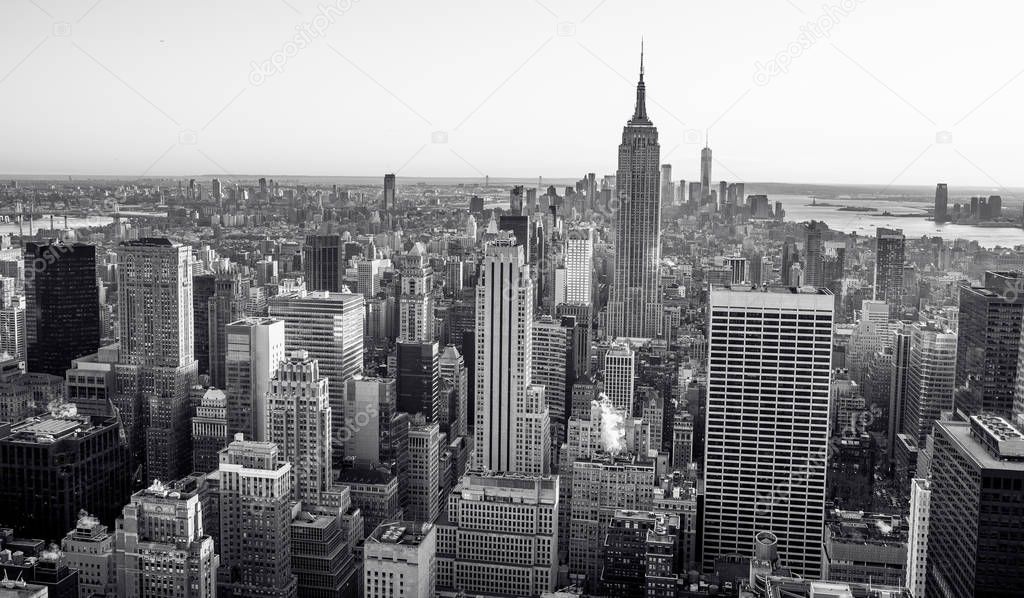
point(619, 373)
point(452, 367)
point(415, 307)
point(299, 423)
point(255, 347)
point(12, 329)
point(917, 537)
point(330, 327)
point(769, 370)
point(369, 271)
point(400, 561)
point(579, 266)
point(500, 537)
point(511, 422)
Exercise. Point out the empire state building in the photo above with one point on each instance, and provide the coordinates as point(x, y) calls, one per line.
point(634, 306)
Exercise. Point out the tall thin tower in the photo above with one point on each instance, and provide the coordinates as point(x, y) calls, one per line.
point(389, 200)
point(634, 308)
point(512, 426)
point(705, 172)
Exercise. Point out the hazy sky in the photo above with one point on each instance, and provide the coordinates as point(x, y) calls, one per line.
point(513, 87)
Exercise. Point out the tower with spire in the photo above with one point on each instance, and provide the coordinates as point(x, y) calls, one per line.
point(634, 307)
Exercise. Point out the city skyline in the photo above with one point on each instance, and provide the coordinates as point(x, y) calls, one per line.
point(618, 384)
point(766, 123)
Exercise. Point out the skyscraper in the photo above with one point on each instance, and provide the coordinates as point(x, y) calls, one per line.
point(156, 368)
point(976, 528)
point(228, 304)
point(424, 473)
point(705, 173)
point(813, 273)
point(155, 303)
point(419, 379)
point(889, 259)
point(500, 536)
point(323, 262)
point(13, 329)
point(666, 184)
point(255, 521)
point(635, 303)
point(161, 526)
point(203, 288)
point(53, 466)
point(209, 430)
point(552, 368)
point(746, 492)
point(988, 342)
point(63, 305)
point(509, 422)
point(619, 372)
point(930, 379)
point(452, 368)
point(330, 327)
point(400, 559)
point(917, 538)
point(389, 201)
point(415, 305)
point(941, 203)
point(790, 256)
point(579, 266)
point(255, 347)
point(299, 423)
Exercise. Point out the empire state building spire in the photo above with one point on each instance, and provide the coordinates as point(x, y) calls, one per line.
point(640, 111)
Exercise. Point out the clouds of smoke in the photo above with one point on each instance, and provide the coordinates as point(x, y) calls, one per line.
point(613, 429)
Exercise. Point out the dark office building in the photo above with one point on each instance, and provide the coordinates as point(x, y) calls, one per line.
point(790, 256)
point(631, 549)
point(987, 344)
point(203, 288)
point(813, 273)
point(941, 203)
point(226, 306)
point(520, 227)
point(976, 519)
point(419, 379)
point(39, 566)
point(889, 260)
point(62, 319)
point(388, 206)
point(322, 558)
point(52, 466)
point(323, 263)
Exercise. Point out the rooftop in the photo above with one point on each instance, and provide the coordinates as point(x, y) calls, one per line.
point(46, 429)
point(866, 528)
point(401, 532)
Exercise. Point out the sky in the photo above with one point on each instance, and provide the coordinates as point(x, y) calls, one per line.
point(842, 91)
